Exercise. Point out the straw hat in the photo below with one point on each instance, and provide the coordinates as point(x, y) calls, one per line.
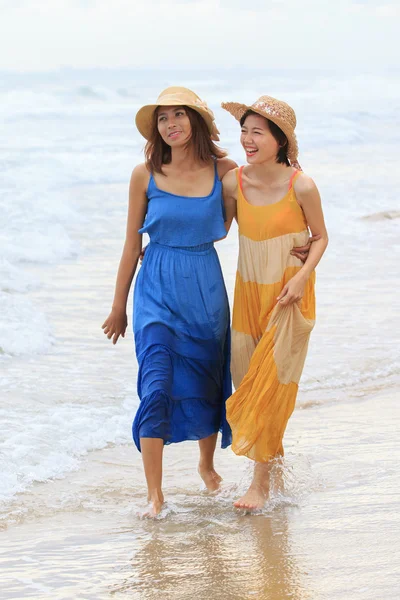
point(176, 96)
point(276, 111)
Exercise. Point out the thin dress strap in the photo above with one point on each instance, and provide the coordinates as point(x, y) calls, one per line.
point(216, 170)
point(292, 179)
point(151, 184)
point(240, 178)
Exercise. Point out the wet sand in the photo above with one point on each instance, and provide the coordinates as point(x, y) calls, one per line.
point(332, 534)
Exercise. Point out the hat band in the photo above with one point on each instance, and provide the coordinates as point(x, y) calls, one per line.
point(170, 100)
point(270, 110)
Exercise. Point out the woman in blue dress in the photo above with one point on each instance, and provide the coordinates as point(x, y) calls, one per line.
point(181, 313)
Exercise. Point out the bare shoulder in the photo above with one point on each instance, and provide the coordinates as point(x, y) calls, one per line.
point(140, 176)
point(229, 181)
point(307, 194)
point(224, 165)
point(303, 184)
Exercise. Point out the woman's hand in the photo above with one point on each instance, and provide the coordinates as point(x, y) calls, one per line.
point(301, 252)
point(293, 291)
point(115, 325)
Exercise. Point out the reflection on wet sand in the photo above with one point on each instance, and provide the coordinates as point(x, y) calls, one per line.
point(224, 557)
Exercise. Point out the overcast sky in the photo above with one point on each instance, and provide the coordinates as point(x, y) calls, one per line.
point(48, 34)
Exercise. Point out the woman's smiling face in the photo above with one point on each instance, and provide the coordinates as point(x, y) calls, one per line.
point(173, 125)
point(257, 140)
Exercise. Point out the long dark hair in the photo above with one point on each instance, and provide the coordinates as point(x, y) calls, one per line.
point(157, 153)
point(277, 133)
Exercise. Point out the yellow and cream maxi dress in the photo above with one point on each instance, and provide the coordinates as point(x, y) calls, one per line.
point(269, 342)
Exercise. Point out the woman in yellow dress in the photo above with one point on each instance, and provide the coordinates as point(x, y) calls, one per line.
point(276, 206)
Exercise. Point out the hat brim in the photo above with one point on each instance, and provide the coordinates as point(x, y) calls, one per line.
point(145, 115)
point(237, 110)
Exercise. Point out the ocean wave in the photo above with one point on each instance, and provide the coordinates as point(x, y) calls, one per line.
point(15, 279)
point(41, 246)
point(88, 92)
point(24, 329)
point(383, 215)
point(125, 93)
point(54, 441)
point(352, 379)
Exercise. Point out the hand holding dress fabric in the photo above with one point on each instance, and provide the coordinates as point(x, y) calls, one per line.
point(293, 291)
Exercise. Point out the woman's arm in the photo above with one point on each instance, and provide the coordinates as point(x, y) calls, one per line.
point(229, 191)
point(310, 201)
point(116, 323)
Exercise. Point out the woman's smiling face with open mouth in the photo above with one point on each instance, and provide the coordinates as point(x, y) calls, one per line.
point(257, 140)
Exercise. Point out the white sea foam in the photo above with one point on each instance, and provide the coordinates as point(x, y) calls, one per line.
point(53, 439)
point(15, 279)
point(24, 330)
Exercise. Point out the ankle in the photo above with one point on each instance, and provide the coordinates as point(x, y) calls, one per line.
point(155, 495)
point(206, 465)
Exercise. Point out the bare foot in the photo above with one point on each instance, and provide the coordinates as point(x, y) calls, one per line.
point(210, 477)
point(254, 499)
point(156, 502)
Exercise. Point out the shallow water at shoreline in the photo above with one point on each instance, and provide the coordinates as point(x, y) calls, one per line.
point(330, 534)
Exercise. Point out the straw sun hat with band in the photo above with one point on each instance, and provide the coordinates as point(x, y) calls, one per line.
point(176, 96)
point(276, 111)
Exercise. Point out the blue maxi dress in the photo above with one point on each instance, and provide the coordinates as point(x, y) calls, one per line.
point(181, 320)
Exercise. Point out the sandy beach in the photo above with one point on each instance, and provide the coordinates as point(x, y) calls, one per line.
point(331, 534)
